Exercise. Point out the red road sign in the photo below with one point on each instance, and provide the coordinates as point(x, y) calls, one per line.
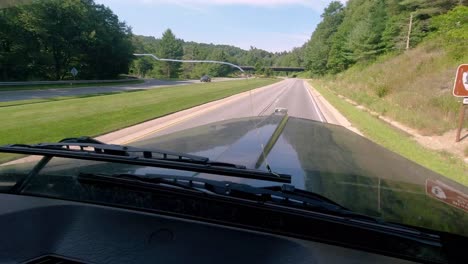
point(447, 194)
point(460, 87)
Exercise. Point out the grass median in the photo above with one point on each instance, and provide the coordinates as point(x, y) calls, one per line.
point(96, 115)
point(395, 140)
point(68, 86)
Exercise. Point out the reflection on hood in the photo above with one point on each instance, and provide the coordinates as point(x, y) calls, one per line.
point(332, 161)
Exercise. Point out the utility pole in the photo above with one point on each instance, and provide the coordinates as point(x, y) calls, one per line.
point(409, 32)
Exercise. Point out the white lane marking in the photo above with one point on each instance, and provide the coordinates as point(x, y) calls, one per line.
point(272, 102)
point(314, 104)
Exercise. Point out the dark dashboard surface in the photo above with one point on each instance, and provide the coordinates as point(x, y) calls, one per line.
point(33, 227)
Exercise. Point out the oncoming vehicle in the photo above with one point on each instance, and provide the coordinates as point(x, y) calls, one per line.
point(205, 78)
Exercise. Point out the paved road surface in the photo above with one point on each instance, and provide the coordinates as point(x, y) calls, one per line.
point(6, 96)
point(291, 94)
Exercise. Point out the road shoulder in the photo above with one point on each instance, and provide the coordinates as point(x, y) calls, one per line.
point(384, 134)
point(331, 114)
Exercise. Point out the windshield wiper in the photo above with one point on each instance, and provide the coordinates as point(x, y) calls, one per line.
point(90, 149)
point(286, 196)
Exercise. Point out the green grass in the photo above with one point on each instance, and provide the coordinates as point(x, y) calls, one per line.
point(22, 102)
point(413, 88)
point(55, 86)
point(60, 98)
point(393, 139)
point(95, 115)
point(174, 79)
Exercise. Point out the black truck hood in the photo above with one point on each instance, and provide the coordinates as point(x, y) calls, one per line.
point(332, 161)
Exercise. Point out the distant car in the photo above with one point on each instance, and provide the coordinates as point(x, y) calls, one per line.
point(205, 78)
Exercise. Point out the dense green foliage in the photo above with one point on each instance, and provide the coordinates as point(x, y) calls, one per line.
point(170, 47)
point(415, 86)
point(318, 48)
point(147, 67)
point(43, 40)
point(453, 29)
point(365, 29)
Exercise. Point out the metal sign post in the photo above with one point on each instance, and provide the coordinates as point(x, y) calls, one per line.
point(74, 72)
point(460, 89)
point(461, 118)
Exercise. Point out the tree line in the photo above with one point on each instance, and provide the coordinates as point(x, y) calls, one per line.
point(365, 29)
point(169, 46)
point(43, 40)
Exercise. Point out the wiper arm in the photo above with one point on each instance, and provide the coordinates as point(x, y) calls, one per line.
point(90, 149)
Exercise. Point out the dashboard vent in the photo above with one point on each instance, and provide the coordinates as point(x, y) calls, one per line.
point(52, 259)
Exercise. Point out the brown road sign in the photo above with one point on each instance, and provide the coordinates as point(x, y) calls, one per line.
point(447, 194)
point(460, 87)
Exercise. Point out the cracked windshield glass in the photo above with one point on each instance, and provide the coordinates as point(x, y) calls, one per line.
point(360, 101)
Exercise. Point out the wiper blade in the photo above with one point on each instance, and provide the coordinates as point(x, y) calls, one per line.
point(100, 147)
point(90, 149)
point(90, 145)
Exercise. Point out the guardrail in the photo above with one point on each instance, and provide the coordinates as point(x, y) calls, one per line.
point(62, 82)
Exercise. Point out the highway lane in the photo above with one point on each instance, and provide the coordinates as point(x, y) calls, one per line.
point(7, 96)
point(292, 94)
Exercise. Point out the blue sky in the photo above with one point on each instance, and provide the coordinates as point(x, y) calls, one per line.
point(273, 25)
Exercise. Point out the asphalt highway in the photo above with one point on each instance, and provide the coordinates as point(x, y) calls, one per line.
point(7, 96)
point(291, 94)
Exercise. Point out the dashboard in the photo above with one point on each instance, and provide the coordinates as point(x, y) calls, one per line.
point(45, 230)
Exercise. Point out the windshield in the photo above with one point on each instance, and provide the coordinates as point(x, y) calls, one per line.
point(359, 101)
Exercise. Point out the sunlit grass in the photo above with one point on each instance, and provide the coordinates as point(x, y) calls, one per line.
point(414, 88)
point(96, 115)
point(392, 139)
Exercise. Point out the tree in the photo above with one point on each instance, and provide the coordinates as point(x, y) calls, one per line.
point(219, 69)
point(108, 49)
point(268, 72)
point(259, 68)
point(365, 39)
point(418, 13)
point(46, 38)
point(19, 54)
point(318, 47)
point(143, 66)
point(170, 48)
point(452, 28)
